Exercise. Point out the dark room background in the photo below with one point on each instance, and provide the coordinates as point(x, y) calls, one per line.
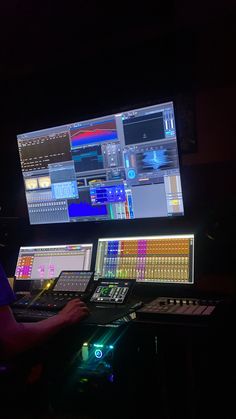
point(62, 64)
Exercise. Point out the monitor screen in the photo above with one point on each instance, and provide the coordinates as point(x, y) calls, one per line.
point(46, 262)
point(151, 259)
point(119, 166)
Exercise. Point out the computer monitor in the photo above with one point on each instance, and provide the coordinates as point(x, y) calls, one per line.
point(47, 262)
point(119, 166)
point(148, 259)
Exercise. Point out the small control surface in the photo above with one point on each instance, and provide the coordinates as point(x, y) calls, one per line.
point(177, 306)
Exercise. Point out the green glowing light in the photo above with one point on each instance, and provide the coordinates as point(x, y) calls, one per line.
point(84, 380)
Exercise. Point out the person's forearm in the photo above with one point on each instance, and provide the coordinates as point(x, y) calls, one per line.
point(41, 330)
point(18, 337)
point(25, 336)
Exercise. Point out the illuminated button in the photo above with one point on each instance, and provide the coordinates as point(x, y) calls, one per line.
point(131, 174)
point(98, 353)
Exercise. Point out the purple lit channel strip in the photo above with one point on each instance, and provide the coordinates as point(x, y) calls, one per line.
point(141, 262)
point(113, 250)
point(24, 271)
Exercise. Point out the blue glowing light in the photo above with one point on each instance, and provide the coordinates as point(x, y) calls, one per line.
point(98, 353)
point(131, 174)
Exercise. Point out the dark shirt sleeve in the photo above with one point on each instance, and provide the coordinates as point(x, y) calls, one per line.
point(6, 294)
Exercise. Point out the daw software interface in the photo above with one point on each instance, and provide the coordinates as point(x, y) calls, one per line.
point(150, 259)
point(119, 166)
point(46, 262)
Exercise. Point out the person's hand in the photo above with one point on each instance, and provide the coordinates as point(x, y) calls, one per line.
point(74, 311)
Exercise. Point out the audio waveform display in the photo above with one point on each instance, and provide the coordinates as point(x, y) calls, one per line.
point(88, 158)
point(99, 132)
point(150, 160)
point(154, 159)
